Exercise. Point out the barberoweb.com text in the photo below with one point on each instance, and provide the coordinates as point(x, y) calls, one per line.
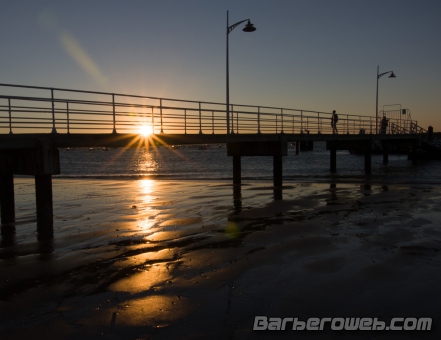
point(263, 323)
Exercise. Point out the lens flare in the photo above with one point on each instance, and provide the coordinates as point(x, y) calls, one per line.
point(145, 130)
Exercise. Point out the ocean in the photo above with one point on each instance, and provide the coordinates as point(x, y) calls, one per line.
point(196, 162)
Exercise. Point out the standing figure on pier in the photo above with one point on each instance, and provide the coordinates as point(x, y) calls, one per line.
point(430, 133)
point(384, 123)
point(334, 120)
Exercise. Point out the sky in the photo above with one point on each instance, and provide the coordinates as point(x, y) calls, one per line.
point(305, 54)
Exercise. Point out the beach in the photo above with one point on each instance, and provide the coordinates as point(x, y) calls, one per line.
point(164, 259)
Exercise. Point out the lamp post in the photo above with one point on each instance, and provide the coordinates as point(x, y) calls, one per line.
point(379, 75)
point(249, 27)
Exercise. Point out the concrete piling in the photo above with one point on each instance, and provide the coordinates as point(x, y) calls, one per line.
point(385, 155)
point(333, 165)
point(368, 161)
point(43, 195)
point(276, 149)
point(277, 171)
point(7, 198)
point(237, 169)
point(30, 156)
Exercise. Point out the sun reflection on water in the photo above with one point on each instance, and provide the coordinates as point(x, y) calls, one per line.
point(147, 213)
point(146, 188)
point(146, 162)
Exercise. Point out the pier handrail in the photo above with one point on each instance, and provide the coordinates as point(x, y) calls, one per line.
point(60, 110)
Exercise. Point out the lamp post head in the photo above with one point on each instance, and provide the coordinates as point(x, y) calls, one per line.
point(249, 27)
point(392, 75)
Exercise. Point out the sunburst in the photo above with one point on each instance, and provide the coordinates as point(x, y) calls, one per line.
point(145, 130)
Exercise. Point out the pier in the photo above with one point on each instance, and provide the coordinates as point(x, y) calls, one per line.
point(36, 121)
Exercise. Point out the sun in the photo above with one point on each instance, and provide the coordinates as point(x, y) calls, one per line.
point(145, 130)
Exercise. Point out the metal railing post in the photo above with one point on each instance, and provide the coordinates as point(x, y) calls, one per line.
point(114, 113)
point(53, 111)
point(232, 119)
point(237, 122)
point(185, 121)
point(318, 122)
point(301, 121)
point(200, 119)
point(212, 122)
point(153, 121)
point(10, 116)
point(160, 114)
point(293, 125)
point(258, 120)
point(281, 118)
point(67, 116)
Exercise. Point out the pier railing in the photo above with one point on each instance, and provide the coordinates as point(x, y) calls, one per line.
point(32, 109)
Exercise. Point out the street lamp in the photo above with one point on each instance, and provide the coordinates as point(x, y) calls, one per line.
point(249, 27)
point(379, 75)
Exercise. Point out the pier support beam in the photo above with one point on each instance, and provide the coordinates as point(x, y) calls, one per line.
point(43, 193)
point(237, 182)
point(413, 152)
point(333, 165)
point(35, 157)
point(307, 145)
point(277, 171)
point(237, 169)
point(277, 177)
point(274, 148)
point(368, 162)
point(7, 198)
point(363, 146)
point(385, 155)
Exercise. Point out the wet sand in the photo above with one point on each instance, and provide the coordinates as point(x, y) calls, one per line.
point(149, 259)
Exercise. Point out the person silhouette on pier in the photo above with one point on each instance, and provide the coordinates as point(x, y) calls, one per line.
point(334, 120)
point(430, 133)
point(384, 123)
